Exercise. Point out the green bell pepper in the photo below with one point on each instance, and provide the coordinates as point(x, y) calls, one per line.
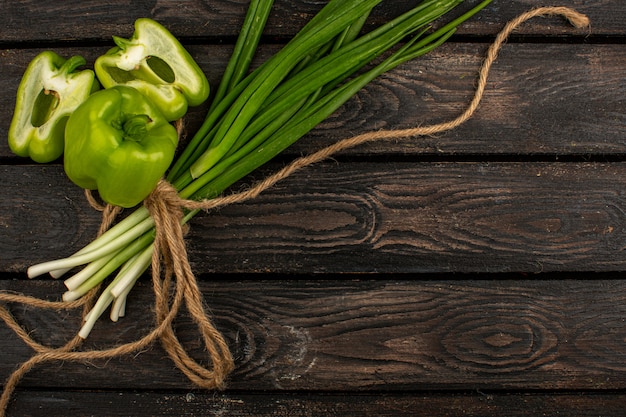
point(154, 62)
point(119, 143)
point(50, 90)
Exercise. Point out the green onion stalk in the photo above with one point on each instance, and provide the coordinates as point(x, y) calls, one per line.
point(253, 117)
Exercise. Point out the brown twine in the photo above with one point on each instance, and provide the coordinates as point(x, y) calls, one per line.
point(166, 208)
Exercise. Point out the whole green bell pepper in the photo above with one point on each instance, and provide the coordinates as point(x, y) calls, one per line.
point(119, 143)
point(154, 62)
point(50, 90)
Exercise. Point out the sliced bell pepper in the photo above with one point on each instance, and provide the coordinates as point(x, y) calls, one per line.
point(154, 62)
point(119, 143)
point(50, 90)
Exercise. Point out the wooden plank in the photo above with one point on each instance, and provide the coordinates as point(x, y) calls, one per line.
point(40, 212)
point(33, 21)
point(363, 217)
point(541, 99)
point(406, 217)
point(174, 404)
point(360, 335)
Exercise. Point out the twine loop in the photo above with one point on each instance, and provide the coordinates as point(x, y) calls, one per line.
point(171, 272)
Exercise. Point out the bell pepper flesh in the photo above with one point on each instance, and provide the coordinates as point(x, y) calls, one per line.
point(50, 90)
point(154, 62)
point(119, 143)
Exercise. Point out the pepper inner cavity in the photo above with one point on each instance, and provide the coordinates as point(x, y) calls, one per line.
point(161, 68)
point(158, 68)
point(45, 104)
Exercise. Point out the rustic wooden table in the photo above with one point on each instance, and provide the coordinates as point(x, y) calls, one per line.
point(477, 272)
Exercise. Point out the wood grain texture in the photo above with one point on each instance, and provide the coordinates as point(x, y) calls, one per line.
point(34, 21)
point(175, 404)
point(53, 219)
point(366, 217)
point(541, 100)
point(424, 218)
point(362, 335)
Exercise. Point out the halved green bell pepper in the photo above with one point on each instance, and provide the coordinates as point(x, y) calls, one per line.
point(119, 143)
point(154, 62)
point(50, 90)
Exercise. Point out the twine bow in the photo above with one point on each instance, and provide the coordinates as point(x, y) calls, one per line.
point(170, 265)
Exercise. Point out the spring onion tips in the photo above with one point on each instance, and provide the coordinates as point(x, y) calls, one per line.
point(254, 116)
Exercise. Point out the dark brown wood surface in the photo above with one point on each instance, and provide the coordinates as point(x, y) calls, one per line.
point(476, 272)
point(87, 20)
point(98, 404)
point(542, 99)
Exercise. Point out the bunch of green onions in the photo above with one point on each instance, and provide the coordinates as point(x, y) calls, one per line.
point(255, 116)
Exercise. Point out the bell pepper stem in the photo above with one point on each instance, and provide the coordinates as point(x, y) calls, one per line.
point(72, 64)
point(135, 127)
